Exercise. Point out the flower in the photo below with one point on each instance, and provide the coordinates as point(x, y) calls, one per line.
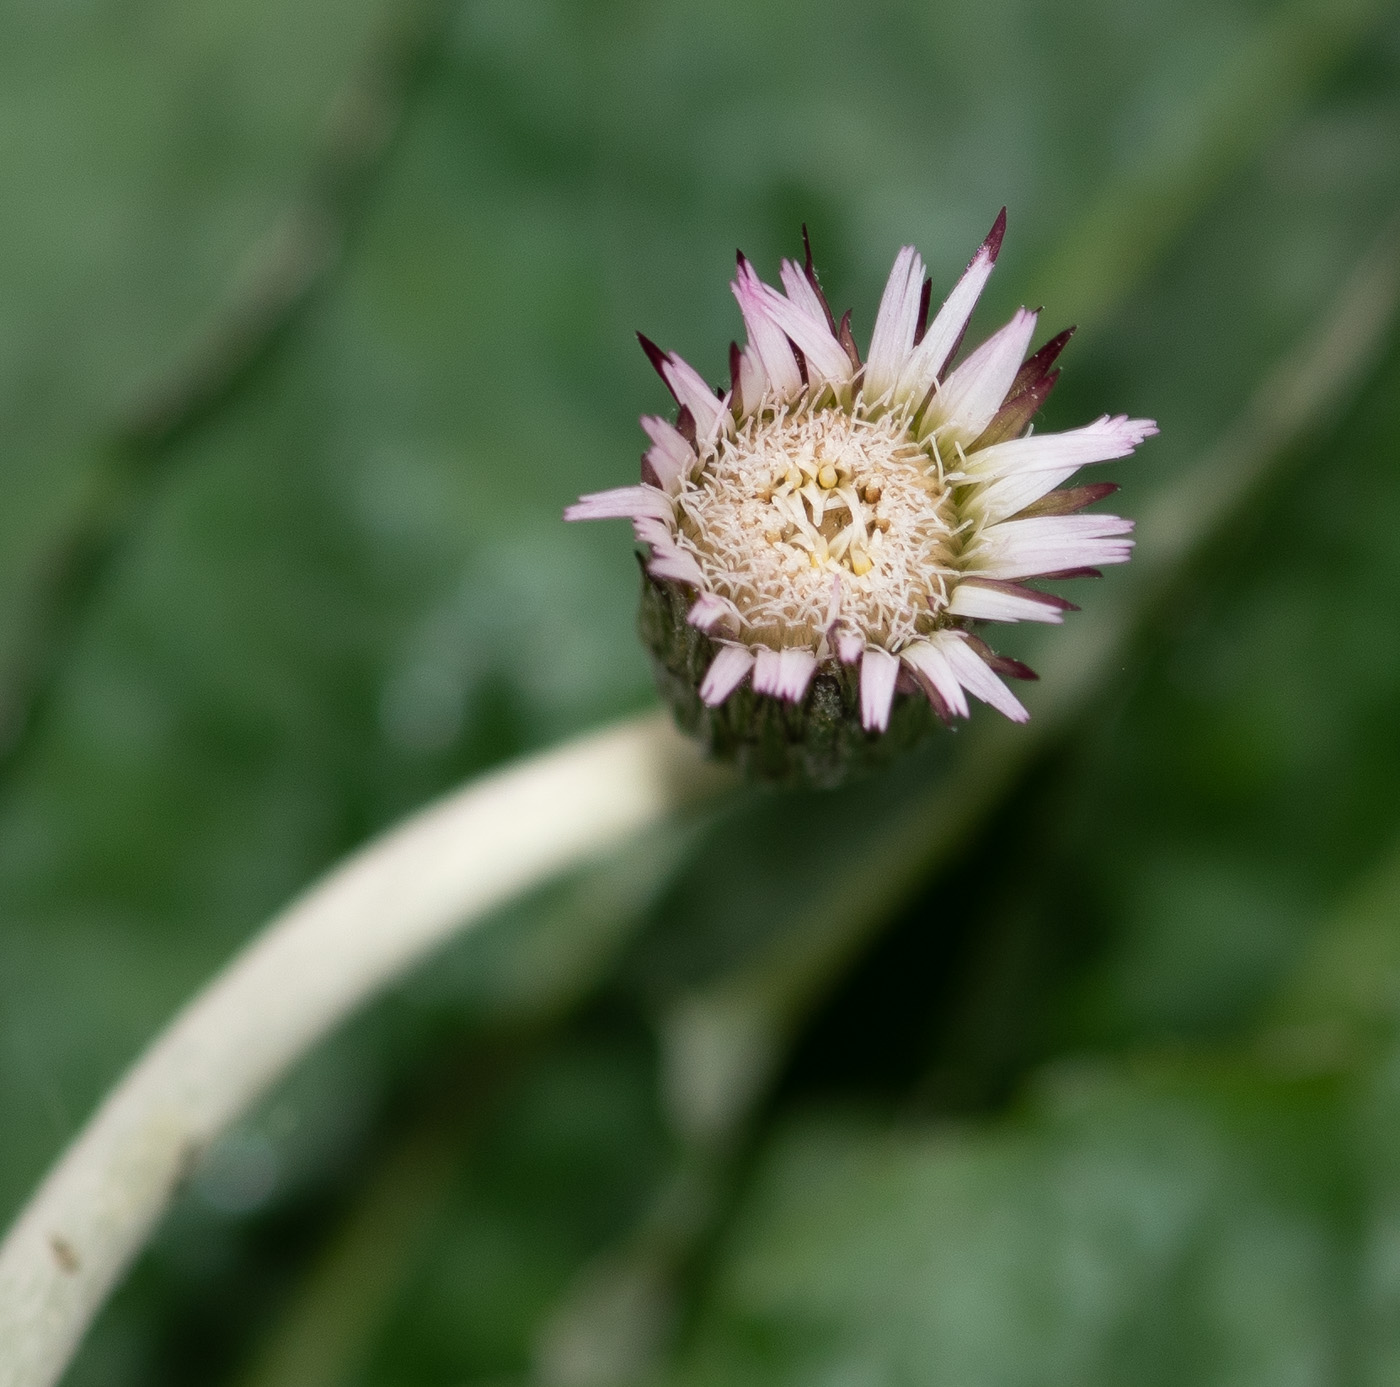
point(828, 518)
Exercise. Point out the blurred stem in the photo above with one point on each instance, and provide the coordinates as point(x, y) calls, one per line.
point(280, 278)
point(374, 917)
point(330, 1325)
point(1257, 90)
point(327, 1331)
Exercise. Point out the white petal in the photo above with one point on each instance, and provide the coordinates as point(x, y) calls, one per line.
point(849, 647)
point(670, 457)
point(710, 610)
point(675, 564)
point(753, 379)
point(1049, 544)
point(1009, 495)
point(878, 672)
point(986, 603)
point(946, 330)
point(800, 291)
point(767, 670)
point(977, 679)
point(726, 672)
point(769, 340)
point(797, 667)
point(893, 337)
point(1103, 440)
point(963, 404)
point(690, 390)
point(628, 501)
point(928, 660)
point(660, 534)
point(825, 355)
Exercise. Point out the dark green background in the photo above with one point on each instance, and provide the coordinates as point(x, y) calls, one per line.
point(1103, 1086)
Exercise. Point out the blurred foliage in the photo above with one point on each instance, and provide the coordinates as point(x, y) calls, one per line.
point(1063, 1056)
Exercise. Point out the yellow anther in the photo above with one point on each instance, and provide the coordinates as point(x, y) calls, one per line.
point(816, 559)
point(860, 564)
point(772, 536)
point(826, 478)
point(793, 478)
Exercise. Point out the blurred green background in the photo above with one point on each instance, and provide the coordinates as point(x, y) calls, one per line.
point(1058, 1055)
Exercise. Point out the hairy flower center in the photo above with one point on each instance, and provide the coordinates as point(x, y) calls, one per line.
point(802, 497)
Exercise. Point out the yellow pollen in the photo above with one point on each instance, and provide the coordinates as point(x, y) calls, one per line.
point(826, 478)
point(861, 564)
point(793, 478)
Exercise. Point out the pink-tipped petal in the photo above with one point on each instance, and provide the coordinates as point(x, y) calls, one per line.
point(799, 290)
point(726, 672)
point(670, 456)
point(879, 671)
point(987, 600)
point(767, 671)
point(977, 679)
point(629, 502)
point(1102, 441)
point(753, 380)
point(795, 670)
point(849, 647)
point(766, 337)
point(940, 341)
point(1049, 544)
point(660, 534)
point(710, 610)
point(927, 660)
point(824, 354)
point(688, 387)
point(668, 560)
point(965, 403)
point(1009, 495)
point(893, 338)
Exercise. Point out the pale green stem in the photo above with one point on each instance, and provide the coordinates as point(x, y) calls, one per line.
point(371, 919)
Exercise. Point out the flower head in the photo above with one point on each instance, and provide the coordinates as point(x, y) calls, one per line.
point(828, 531)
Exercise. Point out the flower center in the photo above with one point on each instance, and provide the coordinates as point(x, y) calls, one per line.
point(803, 498)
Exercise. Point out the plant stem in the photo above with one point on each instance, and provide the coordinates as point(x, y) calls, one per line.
point(365, 924)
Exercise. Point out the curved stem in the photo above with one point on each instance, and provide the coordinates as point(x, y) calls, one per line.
point(363, 925)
